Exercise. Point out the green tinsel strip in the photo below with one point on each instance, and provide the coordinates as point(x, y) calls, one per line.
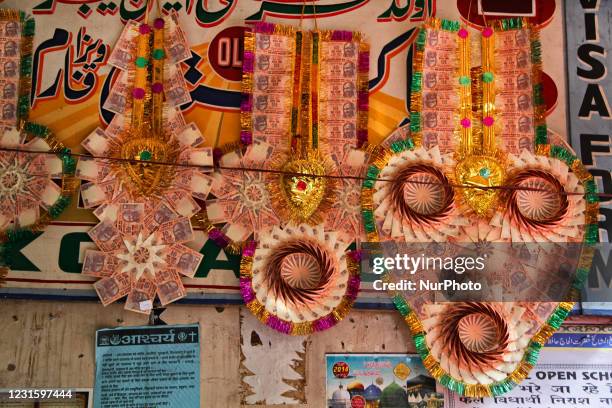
point(536, 52)
point(557, 317)
point(315, 49)
point(373, 172)
point(29, 27)
point(511, 24)
point(591, 237)
point(421, 345)
point(580, 278)
point(23, 106)
point(421, 38)
point(26, 65)
point(402, 145)
point(60, 205)
point(562, 154)
point(502, 387)
point(68, 162)
point(415, 121)
point(538, 94)
point(37, 130)
point(541, 133)
point(417, 82)
point(450, 25)
point(11, 245)
point(452, 384)
point(401, 305)
point(590, 189)
point(532, 355)
point(368, 220)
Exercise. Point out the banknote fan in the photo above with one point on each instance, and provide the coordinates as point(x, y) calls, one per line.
point(147, 172)
point(36, 170)
point(304, 118)
point(476, 166)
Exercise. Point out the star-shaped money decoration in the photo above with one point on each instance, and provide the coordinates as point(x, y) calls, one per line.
point(142, 255)
point(242, 197)
point(179, 180)
point(33, 186)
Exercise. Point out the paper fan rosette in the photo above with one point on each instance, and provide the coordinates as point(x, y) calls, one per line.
point(478, 167)
point(299, 279)
point(36, 170)
point(147, 173)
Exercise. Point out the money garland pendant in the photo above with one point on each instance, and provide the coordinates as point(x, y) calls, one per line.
point(35, 188)
point(143, 202)
point(303, 117)
point(482, 129)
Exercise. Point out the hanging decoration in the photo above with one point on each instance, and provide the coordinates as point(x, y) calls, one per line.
point(35, 186)
point(482, 128)
point(299, 280)
point(304, 120)
point(144, 205)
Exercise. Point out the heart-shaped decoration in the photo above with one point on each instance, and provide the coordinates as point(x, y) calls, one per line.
point(147, 178)
point(303, 187)
point(480, 171)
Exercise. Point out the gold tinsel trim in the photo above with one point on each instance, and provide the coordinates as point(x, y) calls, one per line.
point(258, 310)
point(476, 391)
point(302, 329)
point(433, 367)
point(520, 372)
point(580, 171)
point(246, 267)
point(543, 334)
point(414, 324)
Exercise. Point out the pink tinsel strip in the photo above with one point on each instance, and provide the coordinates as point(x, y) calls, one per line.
point(279, 325)
point(247, 62)
point(246, 137)
point(363, 100)
point(264, 28)
point(246, 290)
point(353, 287)
point(339, 35)
point(324, 323)
point(364, 61)
point(249, 248)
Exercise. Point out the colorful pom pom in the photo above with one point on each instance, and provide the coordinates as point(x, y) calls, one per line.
point(463, 33)
point(144, 29)
point(487, 32)
point(488, 121)
point(157, 87)
point(138, 93)
point(159, 23)
point(466, 123)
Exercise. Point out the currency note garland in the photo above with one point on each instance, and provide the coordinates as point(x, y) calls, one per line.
point(144, 208)
point(457, 357)
point(28, 181)
point(304, 99)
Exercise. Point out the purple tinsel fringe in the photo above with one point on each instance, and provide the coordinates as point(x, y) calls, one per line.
point(362, 136)
point(324, 323)
point(364, 61)
point(249, 248)
point(339, 35)
point(246, 103)
point(217, 154)
point(247, 290)
point(278, 324)
point(246, 137)
point(265, 28)
point(218, 237)
point(352, 288)
point(356, 255)
point(247, 62)
point(363, 100)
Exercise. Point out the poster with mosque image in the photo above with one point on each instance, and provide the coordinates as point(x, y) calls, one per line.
point(379, 381)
